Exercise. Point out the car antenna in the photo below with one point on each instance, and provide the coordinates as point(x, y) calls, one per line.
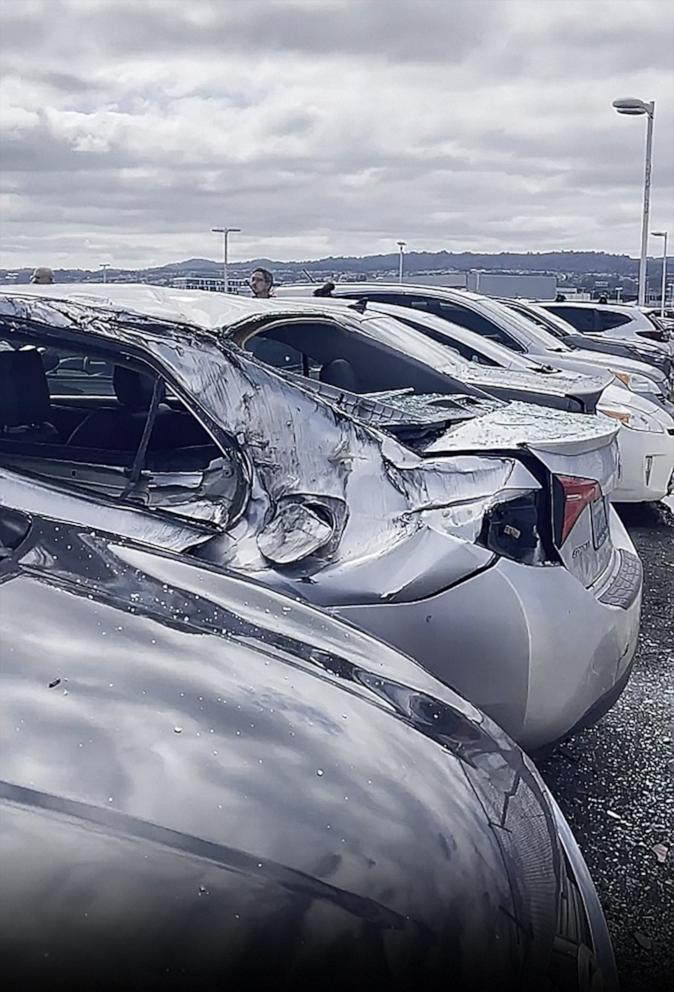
point(360, 305)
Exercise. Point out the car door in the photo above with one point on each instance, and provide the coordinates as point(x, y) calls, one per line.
point(165, 476)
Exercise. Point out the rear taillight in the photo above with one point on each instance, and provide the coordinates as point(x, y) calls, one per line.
point(657, 334)
point(576, 495)
point(513, 529)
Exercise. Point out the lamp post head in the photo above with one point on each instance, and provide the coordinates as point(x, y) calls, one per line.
point(658, 234)
point(401, 244)
point(632, 107)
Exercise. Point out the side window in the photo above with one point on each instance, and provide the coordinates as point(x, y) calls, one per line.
point(276, 353)
point(473, 321)
point(343, 357)
point(390, 297)
point(470, 354)
point(70, 374)
point(582, 318)
point(462, 349)
point(80, 421)
point(608, 320)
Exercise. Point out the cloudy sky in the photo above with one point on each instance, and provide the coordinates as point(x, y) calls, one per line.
point(328, 126)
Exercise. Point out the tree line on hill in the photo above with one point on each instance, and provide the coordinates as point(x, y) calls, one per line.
point(552, 262)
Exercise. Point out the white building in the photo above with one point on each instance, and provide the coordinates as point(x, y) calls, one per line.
point(213, 284)
point(536, 287)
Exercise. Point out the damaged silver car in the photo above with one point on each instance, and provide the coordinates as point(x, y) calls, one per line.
point(474, 534)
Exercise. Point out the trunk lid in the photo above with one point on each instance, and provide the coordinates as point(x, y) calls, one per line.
point(567, 390)
point(562, 446)
point(574, 452)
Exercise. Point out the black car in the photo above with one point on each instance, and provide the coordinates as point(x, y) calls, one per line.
point(205, 785)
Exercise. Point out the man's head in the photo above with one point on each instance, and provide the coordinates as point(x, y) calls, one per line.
point(43, 275)
point(261, 282)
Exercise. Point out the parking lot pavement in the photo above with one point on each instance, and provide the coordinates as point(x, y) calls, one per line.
point(615, 782)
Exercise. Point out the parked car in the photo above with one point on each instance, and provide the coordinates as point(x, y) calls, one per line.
point(194, 775)
point(491, 319)
point(633, 364)
point(646, 437)
point(665, 319)
point(621, 321)
point(432, 519)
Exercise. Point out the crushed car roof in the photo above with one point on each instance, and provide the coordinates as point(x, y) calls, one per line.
point(199, 308)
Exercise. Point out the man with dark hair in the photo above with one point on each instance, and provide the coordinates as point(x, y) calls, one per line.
point(261, 283)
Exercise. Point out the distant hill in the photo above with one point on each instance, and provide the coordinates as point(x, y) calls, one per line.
point(569, 263)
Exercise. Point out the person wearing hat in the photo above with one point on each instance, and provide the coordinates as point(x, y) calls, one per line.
point(42, 275)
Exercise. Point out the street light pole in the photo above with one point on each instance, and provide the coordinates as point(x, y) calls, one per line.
point(663, 289)
point(647, 204)
point(637, 108)
point(105, 266)
point(401, 245)
point(225, 232)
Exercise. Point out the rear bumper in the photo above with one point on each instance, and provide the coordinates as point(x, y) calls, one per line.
point(646, 466)
point(596, 711)
point(529, 645)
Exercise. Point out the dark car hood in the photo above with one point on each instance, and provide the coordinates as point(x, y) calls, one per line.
point(196, 772)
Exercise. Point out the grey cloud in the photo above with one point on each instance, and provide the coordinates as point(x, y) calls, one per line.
point(67, 82)
point(445, 31)
point(342, 125)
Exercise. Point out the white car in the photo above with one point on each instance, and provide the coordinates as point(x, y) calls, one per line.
point(646, 437)
point(504, 323)
point(622, 321)
point(634, 370)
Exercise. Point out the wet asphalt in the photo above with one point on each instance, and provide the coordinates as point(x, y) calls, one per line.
point(615, 781)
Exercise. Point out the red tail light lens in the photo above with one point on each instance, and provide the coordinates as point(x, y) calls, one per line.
point(577, 494)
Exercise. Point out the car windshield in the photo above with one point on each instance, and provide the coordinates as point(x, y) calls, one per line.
point(549, 321)
point(510, 318)
point(465, 341)
point(420, 346)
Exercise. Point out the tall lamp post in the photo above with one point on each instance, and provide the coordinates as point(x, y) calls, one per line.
point(401, 246)
point(105, 266)
point(225, 232)
point(663, 235)
point(632, 107)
